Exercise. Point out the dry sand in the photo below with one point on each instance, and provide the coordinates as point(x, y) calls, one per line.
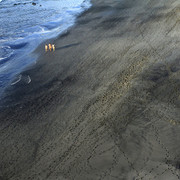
point(105, 105)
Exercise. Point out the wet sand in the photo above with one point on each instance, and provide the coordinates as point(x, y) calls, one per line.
point(104, 105)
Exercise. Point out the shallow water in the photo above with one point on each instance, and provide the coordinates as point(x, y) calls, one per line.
point(24, 26)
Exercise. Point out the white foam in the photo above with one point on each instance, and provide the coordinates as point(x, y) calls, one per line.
point(5, 50)
point(2, 58)
point(28, 79)
point(3, 40)
point(17, 80)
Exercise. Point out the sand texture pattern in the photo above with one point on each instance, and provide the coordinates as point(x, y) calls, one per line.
point(105, 105)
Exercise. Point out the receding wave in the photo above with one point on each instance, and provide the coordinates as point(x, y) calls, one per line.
point(16, 80)
point(18, 46)
point(51, 25)
point(5, 59)
point(6, 54)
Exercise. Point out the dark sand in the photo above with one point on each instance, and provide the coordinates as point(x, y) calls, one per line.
point(105, 105)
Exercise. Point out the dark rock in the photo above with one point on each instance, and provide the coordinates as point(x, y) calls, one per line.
point(33, 3)
point(19, 4)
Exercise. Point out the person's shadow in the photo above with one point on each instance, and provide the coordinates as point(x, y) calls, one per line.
point(67, 46)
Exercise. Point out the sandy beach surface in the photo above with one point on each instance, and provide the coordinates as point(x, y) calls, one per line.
point(105, 105)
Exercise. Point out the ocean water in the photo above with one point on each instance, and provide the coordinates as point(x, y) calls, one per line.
point(24, 25)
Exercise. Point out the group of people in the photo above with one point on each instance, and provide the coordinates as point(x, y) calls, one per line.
point(49, 47)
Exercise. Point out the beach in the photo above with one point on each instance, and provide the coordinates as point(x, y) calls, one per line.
point(104, 105)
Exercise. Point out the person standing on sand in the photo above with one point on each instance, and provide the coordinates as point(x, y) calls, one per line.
point(50, 47)
point(46, 47)
point(53, 47)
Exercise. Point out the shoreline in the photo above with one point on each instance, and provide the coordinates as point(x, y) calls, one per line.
point(105, 104)
point(20, 51)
